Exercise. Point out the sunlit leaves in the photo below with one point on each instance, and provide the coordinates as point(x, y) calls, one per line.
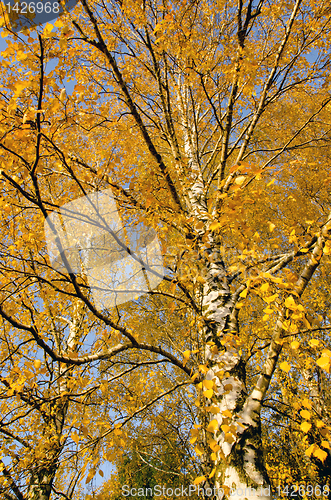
point(212, 409)
point(324, 362)
point(285, 366)
point(212, 426)
point(240, 180)
point(199, 450)
point(305, 426)
point(90, 476)
point(37, 363)
point(75, 437)
point(290, 303)
point(199, 480)
point(316, 451)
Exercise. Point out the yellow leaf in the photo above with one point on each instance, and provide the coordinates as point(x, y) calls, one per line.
point(90, 476)
point(213, 456)
point(290, 303)
point(271, 182)
point(305, 426)
point(228, 387)
point(228, 437)
point(186, 354)
point(110, 456)
point(271, 298)
point(310, 450)
point(209, 384)
point(277, 280)
point(320, 454)
point(213, 409)
point(199, 450)
point(324, 362)
point(203, 368)
point(264, 287)
point(84, 430)
point(212, 426)
point(208, 394)
point(75, 437)
point(215, 225)
point(101, 473)
point(305, 414)
point(295, 344)
point(214, 350)
point(62, 95)
point(37, 363)
point(243, 294)
point(195, 434)
point(199, 479)
point(314, 342)
point(214, 446)
point(212, 473)
point(48, 28)
point(225, 428)
point(325, 444)
point(285, 366)
point(233, 429)
point(240, 180)
point(306, 403)
point(271, 226)
point(58, 23)
point(227, 413)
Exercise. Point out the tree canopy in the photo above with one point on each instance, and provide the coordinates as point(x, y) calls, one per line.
point(194, 136)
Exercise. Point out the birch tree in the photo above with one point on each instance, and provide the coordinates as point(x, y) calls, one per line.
point(208, 120)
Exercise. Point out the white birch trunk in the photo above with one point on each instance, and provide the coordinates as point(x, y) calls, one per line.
point(239, 464)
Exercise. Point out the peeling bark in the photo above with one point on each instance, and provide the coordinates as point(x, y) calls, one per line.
point(240, 462)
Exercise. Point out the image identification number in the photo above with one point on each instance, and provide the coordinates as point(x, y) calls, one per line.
point(32, 7)
point(303, 490)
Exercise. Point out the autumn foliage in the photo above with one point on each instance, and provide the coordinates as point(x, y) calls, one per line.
point(210, 122)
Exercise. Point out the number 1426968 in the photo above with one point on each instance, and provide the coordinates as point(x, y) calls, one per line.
point(33, 7)
point(308, 490)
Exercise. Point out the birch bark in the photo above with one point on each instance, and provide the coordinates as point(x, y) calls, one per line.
point(239, 463)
